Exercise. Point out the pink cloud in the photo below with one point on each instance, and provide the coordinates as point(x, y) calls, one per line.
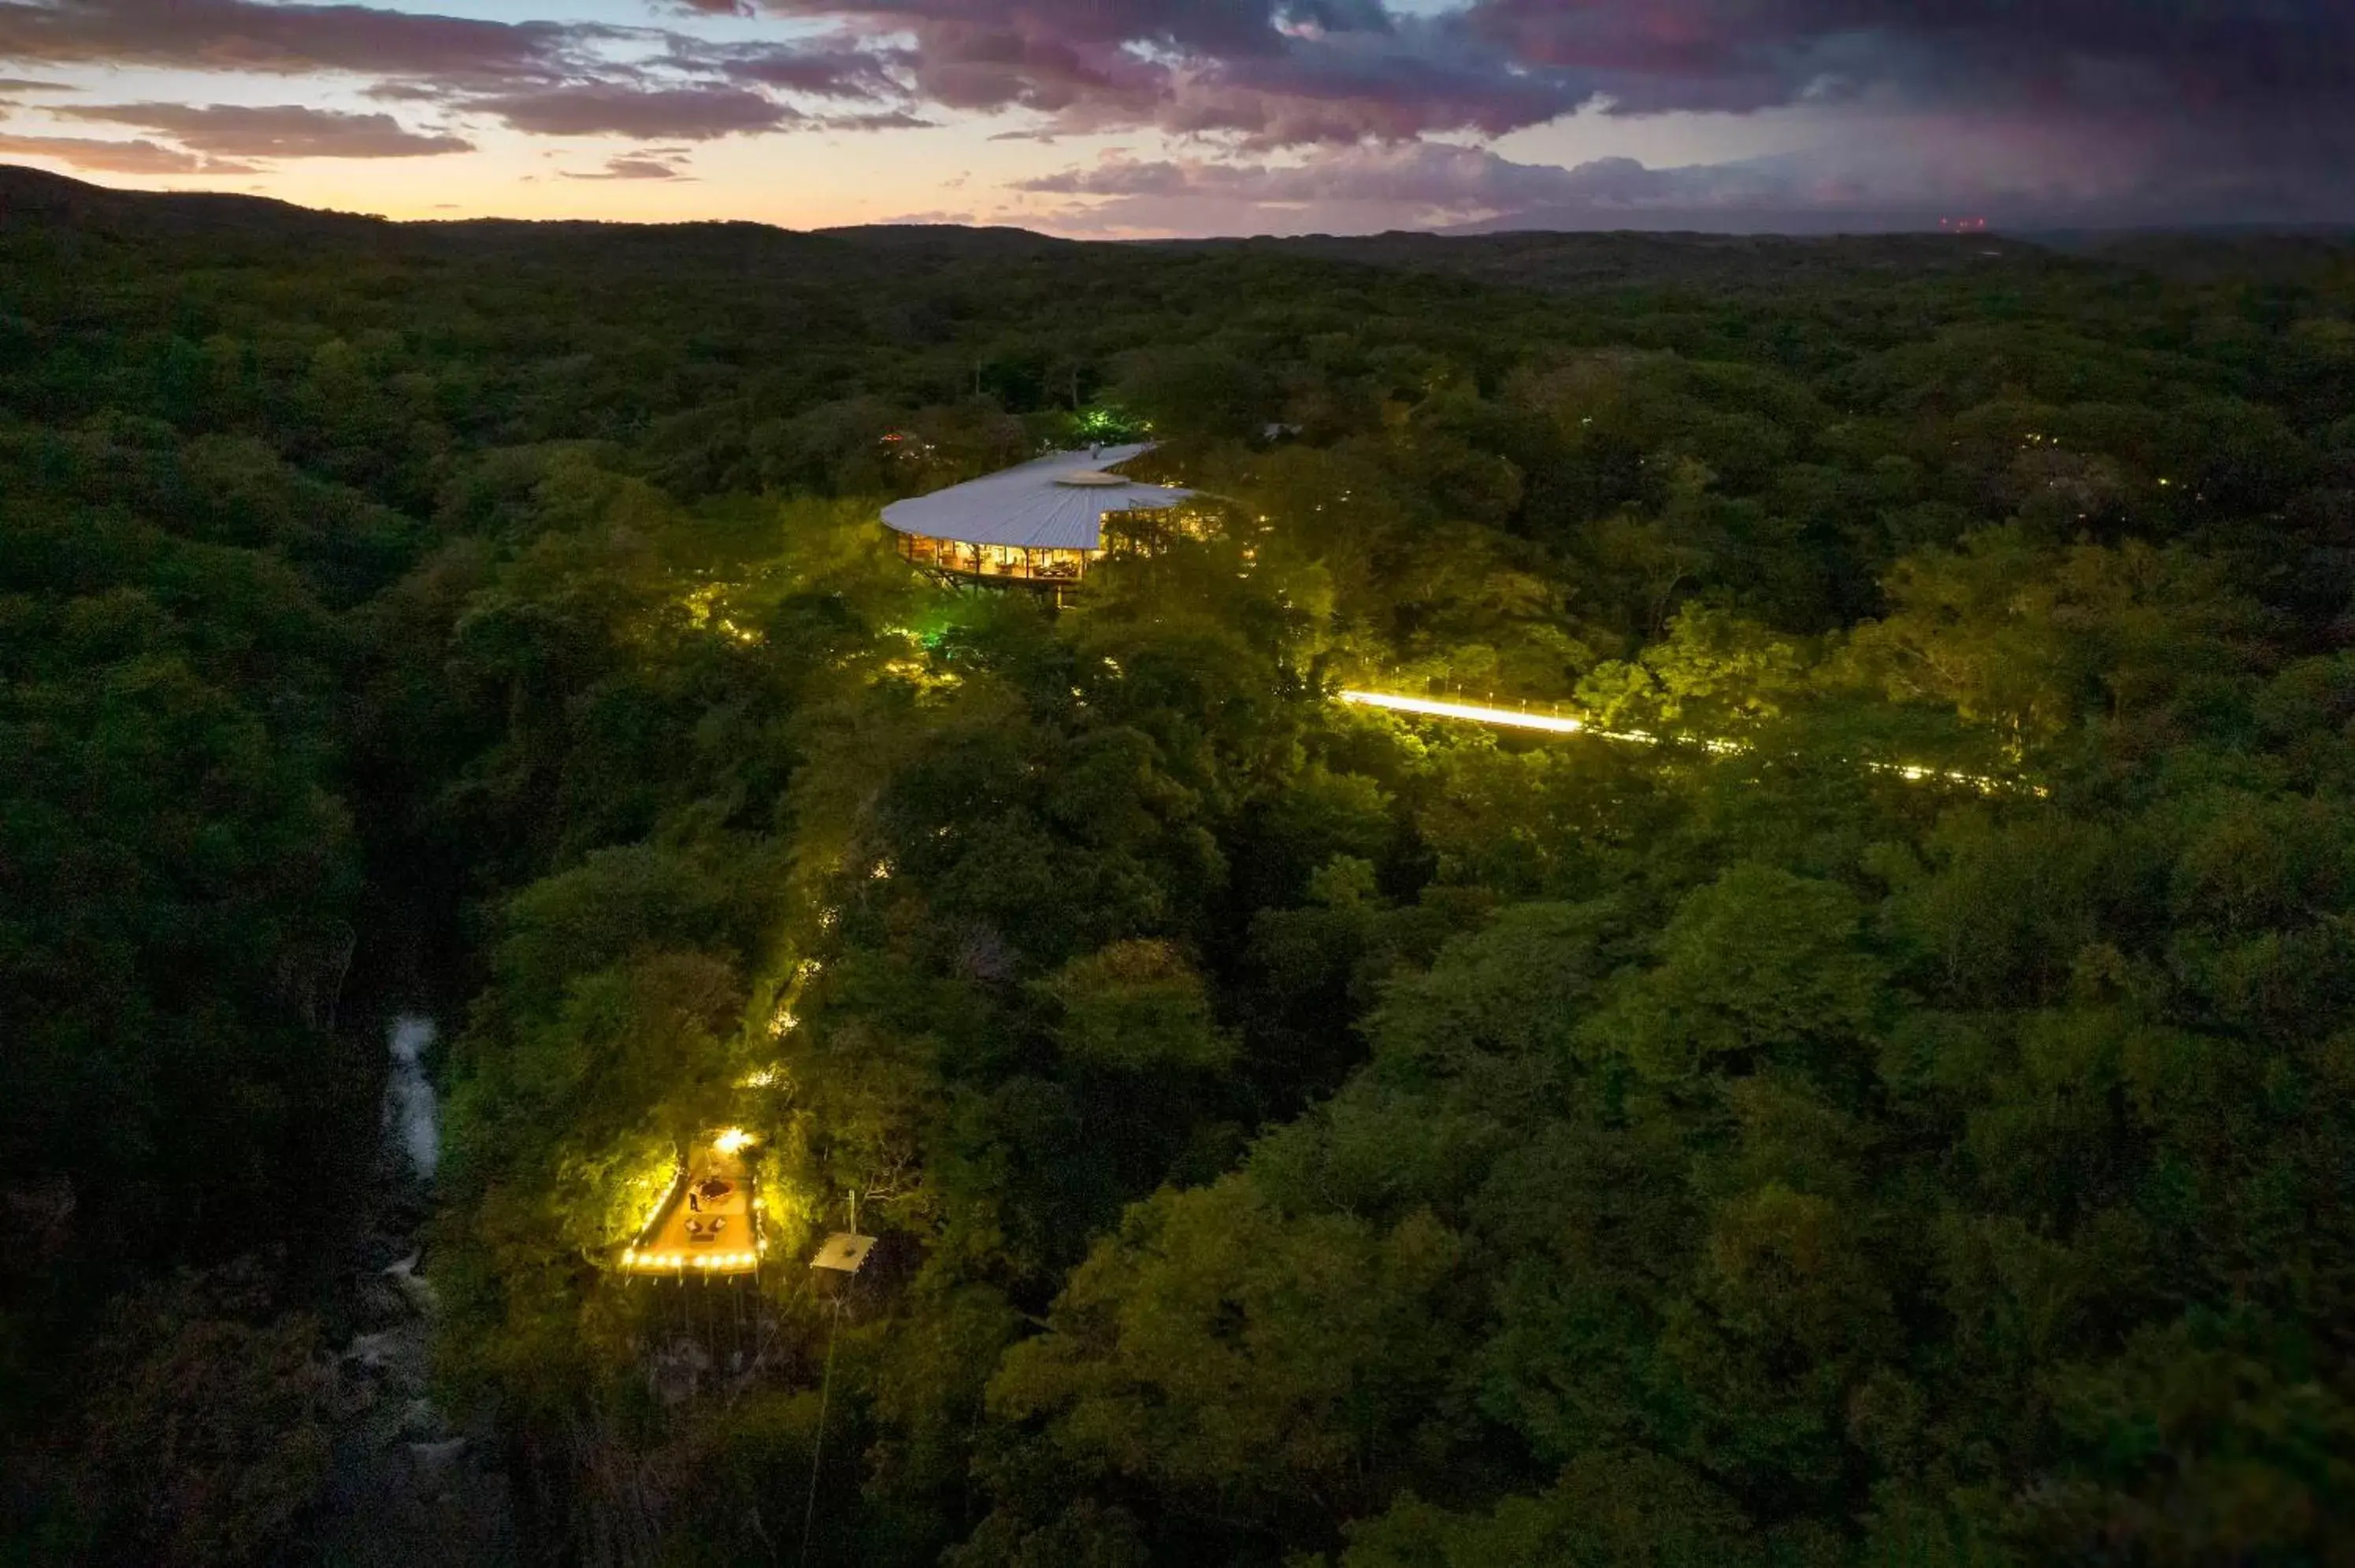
point(117, 157)
point(288, 131)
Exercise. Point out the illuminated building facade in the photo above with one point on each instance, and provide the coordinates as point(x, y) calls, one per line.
point(1040, 524)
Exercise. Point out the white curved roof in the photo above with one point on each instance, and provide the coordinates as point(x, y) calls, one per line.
point(1028, 508)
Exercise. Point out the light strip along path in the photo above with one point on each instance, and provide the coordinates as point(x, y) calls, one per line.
point(1555, 724)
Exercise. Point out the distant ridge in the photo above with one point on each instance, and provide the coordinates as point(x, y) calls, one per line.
point(29, 193)
point(1551, 260)
point(35, 197)
point(1529, 259)
point(924, 234)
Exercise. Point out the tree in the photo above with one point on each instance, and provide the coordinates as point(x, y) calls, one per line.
point(1137, 1007)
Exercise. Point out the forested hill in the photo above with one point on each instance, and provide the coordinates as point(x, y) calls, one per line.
point(1730, 263)
point(1294, 1135)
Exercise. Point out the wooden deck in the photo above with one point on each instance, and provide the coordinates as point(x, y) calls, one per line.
point(699, 1231)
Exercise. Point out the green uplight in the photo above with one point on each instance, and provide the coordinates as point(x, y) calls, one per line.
point(1106, 425)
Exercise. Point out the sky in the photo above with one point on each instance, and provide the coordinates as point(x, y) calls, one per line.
point(1137, 118)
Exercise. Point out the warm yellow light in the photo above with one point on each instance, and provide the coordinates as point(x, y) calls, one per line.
point(1554, 723)
point(1472, 712)
point(1515, 719)
point(1914, 773)
point(661, 1201)
point(732, 1141)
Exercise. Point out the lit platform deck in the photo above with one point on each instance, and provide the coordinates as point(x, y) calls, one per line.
point(709, 1224)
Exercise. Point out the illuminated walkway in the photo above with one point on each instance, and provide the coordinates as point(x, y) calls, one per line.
point(1510, 718)
point(1555, 723)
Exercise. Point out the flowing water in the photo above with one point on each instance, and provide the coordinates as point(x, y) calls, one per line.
point(411, 1115)
point(406, 1486)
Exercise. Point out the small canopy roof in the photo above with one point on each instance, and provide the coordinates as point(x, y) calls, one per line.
point(844, 1252)
point(1057, 502)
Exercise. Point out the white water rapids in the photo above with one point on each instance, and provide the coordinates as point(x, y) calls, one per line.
point(412, 1116)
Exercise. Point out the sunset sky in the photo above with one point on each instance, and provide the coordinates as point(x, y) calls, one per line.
point(1140, 117)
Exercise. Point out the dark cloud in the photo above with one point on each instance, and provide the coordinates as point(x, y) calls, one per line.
point(2199, 55)
point(643, 166)
point(1497, 64)
point(21, 84)
point(1268, 74)
point(1274, 73)
point(287, 130)
point(608, 109)
point(889, 120)
point(1334, 84)
point(1316, 84)
point(828, 69)
point(544, 78)
point(117, 157)
point(405, 92)
point(250, 36)
point(1216, 27)
point(1290, 72)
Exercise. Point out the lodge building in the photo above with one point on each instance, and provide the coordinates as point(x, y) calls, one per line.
point(1040, 524)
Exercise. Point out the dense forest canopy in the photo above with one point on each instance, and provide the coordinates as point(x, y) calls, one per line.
point(1296, 1134)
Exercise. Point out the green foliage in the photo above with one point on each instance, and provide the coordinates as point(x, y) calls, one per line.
point(1607, 1511)
point(1233, 1354)
point(1137, 1007)
point(208, 1421)
point(1761, 967)
point(1902, 1116)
